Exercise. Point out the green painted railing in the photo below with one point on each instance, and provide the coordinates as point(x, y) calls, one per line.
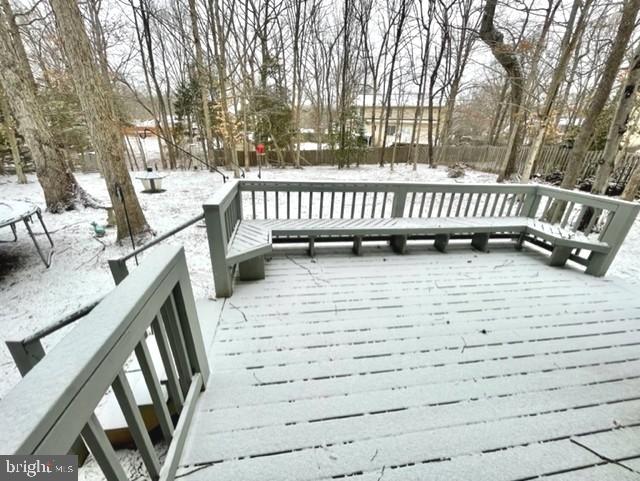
point(55, 402)
point(597, 217)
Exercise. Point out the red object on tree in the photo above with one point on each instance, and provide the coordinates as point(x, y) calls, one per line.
point(260, 149)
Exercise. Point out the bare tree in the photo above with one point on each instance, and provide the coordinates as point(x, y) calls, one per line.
point(619, 124)
point(61, 191)
point(505, 54)
point(598, 100)
point(96, 98)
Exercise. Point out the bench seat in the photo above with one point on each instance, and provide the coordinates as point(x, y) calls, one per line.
point(252, 239)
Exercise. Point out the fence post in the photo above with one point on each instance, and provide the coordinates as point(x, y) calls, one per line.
point(614, 234)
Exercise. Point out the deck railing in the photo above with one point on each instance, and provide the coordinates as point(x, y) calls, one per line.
point(603, 218)
point(55, 402)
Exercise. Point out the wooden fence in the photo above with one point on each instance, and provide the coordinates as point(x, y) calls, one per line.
point(486, 158)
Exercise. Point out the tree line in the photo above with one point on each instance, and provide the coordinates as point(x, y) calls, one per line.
point(528, 72)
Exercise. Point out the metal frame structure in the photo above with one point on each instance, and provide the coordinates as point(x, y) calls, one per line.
point(27, 218)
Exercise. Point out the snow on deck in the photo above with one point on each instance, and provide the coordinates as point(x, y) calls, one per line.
point(458, 366)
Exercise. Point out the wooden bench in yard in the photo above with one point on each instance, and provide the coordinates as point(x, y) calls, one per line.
point(398, 212)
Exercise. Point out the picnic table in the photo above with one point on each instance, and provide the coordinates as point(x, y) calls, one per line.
point(13, 212)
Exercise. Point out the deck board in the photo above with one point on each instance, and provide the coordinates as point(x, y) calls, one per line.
point(425, 366)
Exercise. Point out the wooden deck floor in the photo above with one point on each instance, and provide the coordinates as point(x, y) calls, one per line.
point(427, 366)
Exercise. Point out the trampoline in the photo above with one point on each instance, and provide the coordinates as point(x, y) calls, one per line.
point(13, 212)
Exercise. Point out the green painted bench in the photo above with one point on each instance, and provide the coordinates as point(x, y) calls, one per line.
point(252, 239)
point(245, 218)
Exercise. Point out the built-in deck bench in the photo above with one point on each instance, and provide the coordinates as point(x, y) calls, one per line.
point(285, 212)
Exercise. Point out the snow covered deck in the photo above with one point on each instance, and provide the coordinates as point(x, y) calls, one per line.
point(427, 366)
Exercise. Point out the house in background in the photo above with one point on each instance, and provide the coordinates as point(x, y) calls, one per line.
point(401, 119)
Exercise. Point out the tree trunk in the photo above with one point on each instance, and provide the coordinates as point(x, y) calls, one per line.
point(599, 99)
point(618, 125)
point(567, 46)
point(61, 191)
point(96, 100)
point(633, 185)
point(202, 83)
point(10, 129)
point(506, 56)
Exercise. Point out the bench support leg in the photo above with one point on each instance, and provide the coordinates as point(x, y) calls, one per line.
point(598, 264)
point(441, 242)
point(480, 242)
point(399, 244)
point(252, 269)
point(520, 241)
point(312, 247)
point(357, 245)
point(560, 256)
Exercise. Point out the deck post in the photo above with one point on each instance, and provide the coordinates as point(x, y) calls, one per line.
point(614, 233)
point(218, 236)
point(529, 209)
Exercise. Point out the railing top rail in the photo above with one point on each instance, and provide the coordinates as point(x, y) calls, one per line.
point(224, 195)
point(371, 186)
point(54, 400)
point(594, 200)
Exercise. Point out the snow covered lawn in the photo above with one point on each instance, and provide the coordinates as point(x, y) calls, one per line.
point(32, 296)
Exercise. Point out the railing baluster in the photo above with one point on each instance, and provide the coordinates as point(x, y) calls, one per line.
point(424, 196)
point(169, 315)
point(452, 198)
point(468, 206)
point(321, 203)
point(344, 194)
point(364, 204)
point(411, 203)
point(333, 199)
point(288, 205)
point(353, 204)
point(459, 206)
point(486, 204)
point(384, 203)
point(594, 218)
point(511, 204)
point(253, 203)
point(498, 196)
point(477, 206)
point(175, 393)
point(373, 206)
point(155, 390)
point(546, 207)
point(277, 205)
point(310, 204)
point(137, 428)
point(100, 446)
point(299, 204)
point(443, 195)
point(264, 204)
point(432, 203)
point(567, 214)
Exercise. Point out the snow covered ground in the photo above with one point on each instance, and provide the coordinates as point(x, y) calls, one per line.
point(32, 296)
